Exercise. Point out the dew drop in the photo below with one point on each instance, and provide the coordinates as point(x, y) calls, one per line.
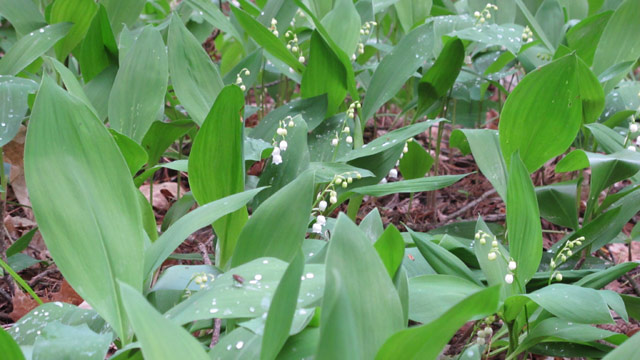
point(239, 345)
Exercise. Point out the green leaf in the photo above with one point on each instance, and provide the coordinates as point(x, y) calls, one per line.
point(608, 139)
point(161, 135)
point(409, 186)
point(430, 296)
point(93, 53)
point(88, 213)
point(372, 225)
point(70, 81)
point(195, 78)
point(216, 166)
point(412, 12)
point(133, 153)
point(396, 67)
point(22, 243)
point(123, 13)
point(437, 81)
point(485, 146)
point(591, 93)
point(197, 219)
point(615, 45)
point(523, 222)
point(282, 309)
point(23, 15)
point(98, 87)
point(138, 91)
point(602, 278)
point(279, 225)
point(630, 349)
point(550, 16)
point(557, 204)
point(312, 111)
point(441, 260)
point(361, 307)
point(78, 12)
point(554, 329)
point(416, 163)
point(215, 17)
point(159, 337)
point(267, 39)
point(541, 117)
point(13, 105)
point(178, 210)
point(508, 36)
point(494, 270)
point(388, 140)
point(225, 298)
point(30, 47)
point(8, 346)
point(324, 74)
point(390, 248)
point(343, 25)
point(427, 341)
point(60, 341)
point(584, 37)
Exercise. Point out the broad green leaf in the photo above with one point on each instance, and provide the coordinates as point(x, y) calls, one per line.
point(426, 341)
point(361, 307)
point(215, 17)
point(267, 40)
point(123, 13)
point(569, 302)
point(26, 330)
point(70, 82)
point(13, 105)
point(630, 349)
point(225, 298)
point(279, 225)
point(557, 204)
point(8, 346)
point(550, 16)
point(282, 309)
point(133, 153)
point(409, 186)
point(508, 35)
point(372, 225)
point(325, 172)
point(437, 81)
point(343, 25)
point(159, 337)
point(97, 87)
point(236, 345)
point(137, 95)
point(535, 26)
point(541, 117)
point(485, 146)
point(602, 278)
point(189, 223)
point(22, 243)
point(94, 50)
point(324, 74)
point(60, 341)
point(615, 45)
point(312, 111)
point(388, 140)
point(390, 248)
point(195, 78)
point(430, 296)
point(30, 47)
point(87, 213)
point(591, 93)
point(608, 139)
point(554, 329)
point(23, 15)
point(412, 12)
point(161, 135)
point(523, 222)
point(441, 260)
point(396, 67)
point(416, 163)
point(78, 12)
point(584, 37)
point(216, 166)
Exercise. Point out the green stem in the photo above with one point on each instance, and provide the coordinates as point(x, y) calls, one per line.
point(179, 179)
point(20, 281)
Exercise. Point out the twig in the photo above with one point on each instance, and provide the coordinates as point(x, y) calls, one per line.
point(633, 284)
point(266, 85)
point(5, 295)
point(205, 254)
point(34, 280)
point(469, 205)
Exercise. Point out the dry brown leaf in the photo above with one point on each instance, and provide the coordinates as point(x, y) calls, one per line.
point(22, 304)
point(14, 155)
point(621, 252)
point(163, 194)
point(67, 294)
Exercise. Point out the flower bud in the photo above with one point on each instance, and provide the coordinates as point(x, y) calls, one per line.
point(291, 123)
point(344, 184)
point(508, 278)
point(321, 220)
point(242, 87)
point(480, 341)
point(301, 59)
point(512, 265)
point(334, 142)
point(349, 139)
point(277, 159)
point(333, 199)
point(633, 127)
point(492, 256)
point(558, 277)
point(631, 148)
point(494, 243)
point(338, 181)
point(346, 129)
point(276, 151)
point(283, 145)
point(482, 241)
point(393, 173)
point(281, 131)
point(322, 206)
point(349, 179)
point(316, 228)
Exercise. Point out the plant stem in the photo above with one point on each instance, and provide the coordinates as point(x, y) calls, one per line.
point(179, 178)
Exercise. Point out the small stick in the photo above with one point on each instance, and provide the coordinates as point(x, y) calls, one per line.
point(216, 322)
point(469, 205)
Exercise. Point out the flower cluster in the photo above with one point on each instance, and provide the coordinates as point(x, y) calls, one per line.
point(202, 279)
point(239, 80)
point(351, 113)
point(366, 31)
point(273, 28)
point(280, 145)
point(565, 252)
point(342, 180)
point(633, 129)
point(486, 331)
point(482, 238)
point(527, 34)
point(292, 45)
point(482, 16)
